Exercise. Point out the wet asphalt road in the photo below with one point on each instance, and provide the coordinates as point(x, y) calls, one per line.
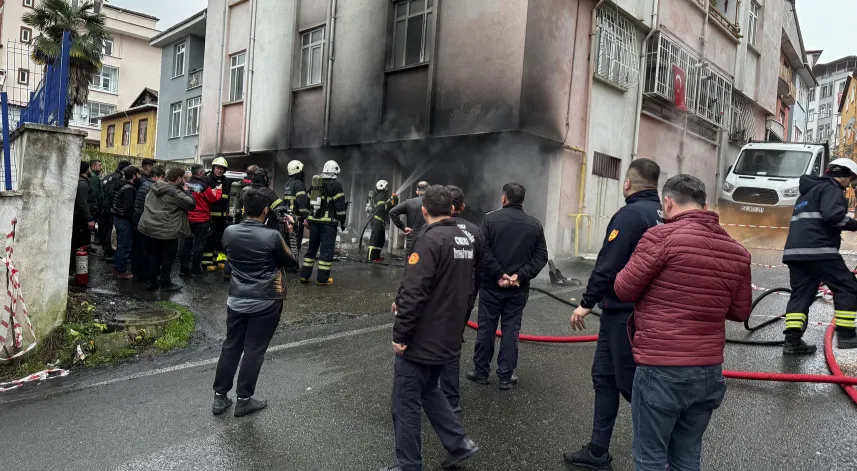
point(330, 396)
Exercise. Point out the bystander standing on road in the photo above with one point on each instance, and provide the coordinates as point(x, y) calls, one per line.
point(436, 293)
point(613, 367)
point(110, 185)
point(258, 256)
point(193, 258)
point(123, 215)
point(96, 193)
point(516, 253)
point(147, 165)
point(139, 259)
point(686, 278)
point(82, 220)
point(412, 209)
point(163, 224)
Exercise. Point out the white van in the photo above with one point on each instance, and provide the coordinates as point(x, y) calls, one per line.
point(762, 185)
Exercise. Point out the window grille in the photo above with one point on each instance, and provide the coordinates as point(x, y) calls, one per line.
point(606, 166)
point(662, 54)
point(714, 94)
point(616, 44)
point(743, 127)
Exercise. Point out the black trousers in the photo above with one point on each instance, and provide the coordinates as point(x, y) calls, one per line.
point(415, 389)
point(450, 383)
point(162, 255)
point(506, 308)
point(248, 334)
point(194, 247)
point(105, 232)
point(377, 239)
point(613, 372)
point(139, 258)
point(215, 241)
point(322, 240)
point(804, 278)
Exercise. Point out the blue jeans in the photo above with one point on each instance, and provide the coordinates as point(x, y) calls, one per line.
point(506, 307)
point(124, 239)
point(612, 374)
point(671, 408)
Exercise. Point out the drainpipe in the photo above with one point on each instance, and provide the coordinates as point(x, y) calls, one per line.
point(217, 146)
point(251, 59)
point(656, 10)
point(328, 86)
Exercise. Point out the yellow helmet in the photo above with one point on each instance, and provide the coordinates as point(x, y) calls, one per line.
point(220, 161)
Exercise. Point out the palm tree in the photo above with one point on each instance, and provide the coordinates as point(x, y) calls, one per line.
point(54, 17)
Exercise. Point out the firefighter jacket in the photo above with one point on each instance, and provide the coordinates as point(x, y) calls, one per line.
point(123, 200)
point(820, 216)
point(413, 211)
point(333, 209)
point(219, 208)
point(204, 197)
point(294, 195)
point(516, 246)
point(436, 295)
point(383, 203)
point(236, 205)
point(642, 210)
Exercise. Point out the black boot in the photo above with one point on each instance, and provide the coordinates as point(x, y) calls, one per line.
point(846, 339)
point(465, 451)
point(248, 406)
point(586, 459)
point(221, 403)
point(796, 346)
point(476, 378)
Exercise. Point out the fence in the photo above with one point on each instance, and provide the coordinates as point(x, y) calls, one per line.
point(47, 104)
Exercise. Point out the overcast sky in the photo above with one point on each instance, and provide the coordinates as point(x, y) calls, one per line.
point(170, 12)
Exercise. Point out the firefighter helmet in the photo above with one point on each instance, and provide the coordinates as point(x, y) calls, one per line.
point(843, 164)
point(381, 185)
point(221, 162)
point(295, 167)
point(330, 170)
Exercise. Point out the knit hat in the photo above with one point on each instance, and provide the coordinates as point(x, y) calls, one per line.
point(84, 167)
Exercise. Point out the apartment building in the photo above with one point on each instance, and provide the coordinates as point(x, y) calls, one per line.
point(130, 64)
point(795, 81)
point(182, 57)
point(481, 92)
point(825, 121)
point(132, 132)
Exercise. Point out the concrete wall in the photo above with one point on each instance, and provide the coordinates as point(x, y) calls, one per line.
point(48, 160)
point(173, 90)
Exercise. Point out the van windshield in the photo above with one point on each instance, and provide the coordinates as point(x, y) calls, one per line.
point(772, 163)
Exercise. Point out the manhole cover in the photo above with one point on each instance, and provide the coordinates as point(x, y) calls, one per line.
point(142, 317)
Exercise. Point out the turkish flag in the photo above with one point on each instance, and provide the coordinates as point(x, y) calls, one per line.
point(680, 87)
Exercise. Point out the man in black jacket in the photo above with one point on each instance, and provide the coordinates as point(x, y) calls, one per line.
point(82, 221)
point(412, 209)
point(436, 293)
point(258, 255)
point(123, 215)
point(139, 259)
point(613, 367)
point(812, 254)
point(516, 253)
point(105, 224)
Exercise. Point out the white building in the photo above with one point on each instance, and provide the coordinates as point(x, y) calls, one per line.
point(823, 119)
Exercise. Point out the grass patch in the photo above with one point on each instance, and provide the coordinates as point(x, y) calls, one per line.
point(176, 333)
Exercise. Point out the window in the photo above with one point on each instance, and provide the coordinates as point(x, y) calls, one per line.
point(798, 135)
point(810, 134)
point(111, 135)
point(23, 76)
point(812, 95)
point(176, 119)
point(107, 47)
point(106, 81)
point(616, 48)
point(26, 34)
point(142, 131)
point(178, 60)
point(824, 110)
point(606, 166)
point(91, 113)
point(126, 133)
point(236, 77)
point(753, 27)
point(810, 115)
point(413, 32)
point(193, 112)
point(826, 90)
point(841, 87)
point(312, 51)
point(29, 3)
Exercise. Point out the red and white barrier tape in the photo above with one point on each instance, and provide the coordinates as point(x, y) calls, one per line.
point(35, 377)
point(753, 226)
point(14, 310)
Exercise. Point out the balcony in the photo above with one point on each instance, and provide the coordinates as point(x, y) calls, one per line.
point(785, 80)
point(194, 79)
point(720, 19)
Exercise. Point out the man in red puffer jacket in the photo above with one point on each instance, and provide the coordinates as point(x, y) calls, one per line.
point(686, 278)
point(200, 223)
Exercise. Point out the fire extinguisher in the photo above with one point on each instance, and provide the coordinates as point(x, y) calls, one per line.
point(81, 269)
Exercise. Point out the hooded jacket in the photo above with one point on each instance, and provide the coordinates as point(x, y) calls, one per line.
point(819, 217)
point(204, 197)
point(165, 212)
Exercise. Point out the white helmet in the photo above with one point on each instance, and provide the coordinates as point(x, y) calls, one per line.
point(295, 167)
point(381, 185)
point(330, 170)
point(221, 162)
point(843, 162)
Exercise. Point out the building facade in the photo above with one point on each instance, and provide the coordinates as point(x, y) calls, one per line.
point(182, 57)
point(132, 132)
point(825, 121)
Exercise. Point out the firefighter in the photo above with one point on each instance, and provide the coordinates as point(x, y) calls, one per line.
point(294, 195)
point(383, 202)
point(261, 183)
point(327, 209)
point(812, 254)
point(219, 211)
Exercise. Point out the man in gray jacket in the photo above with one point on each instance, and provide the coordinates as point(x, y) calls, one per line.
point(163, 224)
point(413, 211)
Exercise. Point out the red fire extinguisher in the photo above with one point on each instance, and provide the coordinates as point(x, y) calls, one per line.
point(81, 269)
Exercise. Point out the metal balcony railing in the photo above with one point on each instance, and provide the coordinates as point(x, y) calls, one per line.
point(194, 79)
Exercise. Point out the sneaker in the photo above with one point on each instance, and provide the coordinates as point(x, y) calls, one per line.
point(183, 271)
point(798, 347)
point(304, 281)
point(210, 268)
point(456, 410)
point(171, 287)
point(221, 403)
point(122, 275)
point(248, 406)
point(395, 467)
point(464, 452)
point(476, 377)
point(846, 342)
point(585, 459)
point(326, 283)
point(506, 384)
